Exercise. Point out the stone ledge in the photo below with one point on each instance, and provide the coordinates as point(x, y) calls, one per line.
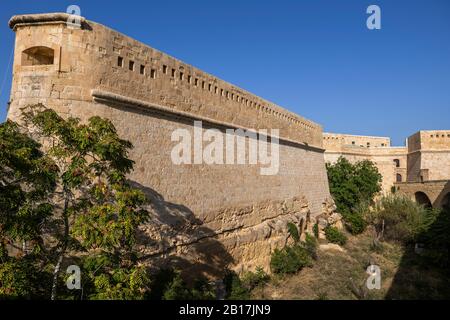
point(102, 96)
point(41, 18)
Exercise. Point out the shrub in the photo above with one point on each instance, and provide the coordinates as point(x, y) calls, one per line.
point(293, 231)
point(290, 259)
point(353, 187)
point(177, 289)
point(202, 290)
point(251, 280)
point(354, 222)
point(159, 282)
point(235, 290)
point(437, 239)
point(310, 245)
point(399, 218)
point(316, 230)
point(322, 296)
point(168, 284)
point(333, 235)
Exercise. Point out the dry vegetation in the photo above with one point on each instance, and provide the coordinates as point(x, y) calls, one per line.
point(342, 275)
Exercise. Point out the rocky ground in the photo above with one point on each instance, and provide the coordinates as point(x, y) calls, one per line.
point(340, 273)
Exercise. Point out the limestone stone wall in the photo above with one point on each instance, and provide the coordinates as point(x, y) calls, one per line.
point(213, 215)
point(98, 57)
point(335, 141)
point(436, 192)
point(390, 161)
point(429, 155)
point(425, 158)
point(436, 164)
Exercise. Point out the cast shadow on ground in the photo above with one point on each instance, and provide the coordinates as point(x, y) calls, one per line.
point(426, 276)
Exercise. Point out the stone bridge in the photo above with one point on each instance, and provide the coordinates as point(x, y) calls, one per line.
point(434, 194)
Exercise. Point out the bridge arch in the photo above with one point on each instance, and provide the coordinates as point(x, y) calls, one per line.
point(423, 199)
point(445, 203)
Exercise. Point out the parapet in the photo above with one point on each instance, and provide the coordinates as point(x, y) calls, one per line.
point(430, 140)
point(338, 142)
point(100, 60)
point(41, 18)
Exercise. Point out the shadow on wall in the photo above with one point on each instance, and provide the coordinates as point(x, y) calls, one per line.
point(443, 199)
point(175, 238)
point(426, 275)
point(189, 120)
point(422, 198)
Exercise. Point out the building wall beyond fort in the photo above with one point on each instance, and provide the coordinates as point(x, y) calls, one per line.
point(426, 156)
point(390, 161)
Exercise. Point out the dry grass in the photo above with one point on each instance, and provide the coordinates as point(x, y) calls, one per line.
point(342, 275)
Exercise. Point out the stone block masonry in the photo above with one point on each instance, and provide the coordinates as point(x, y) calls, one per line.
point(426, 156)
point(206, 217)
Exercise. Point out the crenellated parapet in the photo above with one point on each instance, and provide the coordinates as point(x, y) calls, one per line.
point(214, 214)
point(101, 59)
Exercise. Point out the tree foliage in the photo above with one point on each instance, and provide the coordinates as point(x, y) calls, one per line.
point(27, 178)
point(293, 231)
point(333, 235)
point(437, 238)
point(72, 201)
point(168, 284)
point(399, 218)
point(292, 259)
point(351, 186)
point(235, 289)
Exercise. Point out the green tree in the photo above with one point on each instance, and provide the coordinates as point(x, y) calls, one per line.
point(353, 186)
point(27, 180)
point(397, 217)
point(92, 213)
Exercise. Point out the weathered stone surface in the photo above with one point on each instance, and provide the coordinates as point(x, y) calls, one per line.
point(246, 242)
point(436, 192)
point(426, 157)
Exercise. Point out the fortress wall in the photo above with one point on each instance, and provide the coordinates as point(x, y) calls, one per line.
point(437, 191)
point(92, 56)
point(414, 142)
point(429, 155)
point(335, 142)
point(209, 188)
point(383, 157)
point(425, 158)
point(435, 140)
point(229, 214)
point(435, 154)
point(414, 167)
point(436, 164)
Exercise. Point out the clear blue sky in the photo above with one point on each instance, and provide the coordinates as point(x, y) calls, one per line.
point(315, 58)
